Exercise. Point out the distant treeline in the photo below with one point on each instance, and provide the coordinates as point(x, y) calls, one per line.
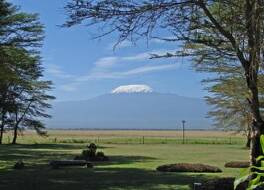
point(133, 129)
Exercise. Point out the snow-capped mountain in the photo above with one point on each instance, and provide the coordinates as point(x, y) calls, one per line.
point(126, 109)
point(136, 88)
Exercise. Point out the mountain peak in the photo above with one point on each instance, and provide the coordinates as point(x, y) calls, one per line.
point(135, 88)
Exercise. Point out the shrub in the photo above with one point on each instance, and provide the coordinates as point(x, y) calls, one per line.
point(186, 167)
point(100, 156)
point(91, 154)
point(19, 165)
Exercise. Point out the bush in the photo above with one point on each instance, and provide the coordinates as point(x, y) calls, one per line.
point(88, 154)
point(91, 154)
point(92, 147)
point(185, 167)
point(100, 156)
point(19, 165)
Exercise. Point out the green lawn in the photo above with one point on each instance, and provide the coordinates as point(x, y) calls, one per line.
point(131, 166)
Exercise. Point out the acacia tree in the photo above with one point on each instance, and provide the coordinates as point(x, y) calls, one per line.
point(23, 95)
point(227, 32)
point(228, 99)
point(28, 107)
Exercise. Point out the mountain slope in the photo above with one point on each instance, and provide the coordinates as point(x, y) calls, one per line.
point(131, 111)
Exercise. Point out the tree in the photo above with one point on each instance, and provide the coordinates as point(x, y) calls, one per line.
point(26, 95)
point(23, 95)
point(230, 110)
point(228, 97)
point(29, 107)
point(228, 32)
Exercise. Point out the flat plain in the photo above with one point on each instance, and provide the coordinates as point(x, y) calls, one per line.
point(134, 156)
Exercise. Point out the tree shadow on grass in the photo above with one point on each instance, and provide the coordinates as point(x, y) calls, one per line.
point(39, 176)
point(43, 153)
point(37, 152)
point(54, 146)
point(119, 160)
point(97, 179)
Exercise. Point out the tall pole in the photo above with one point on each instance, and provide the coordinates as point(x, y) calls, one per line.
point(183, 131)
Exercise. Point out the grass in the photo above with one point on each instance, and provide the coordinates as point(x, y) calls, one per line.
point(132, 165)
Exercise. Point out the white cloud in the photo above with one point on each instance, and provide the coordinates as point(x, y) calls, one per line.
point(136, 88)
point(138, 57)
point(123, 74)
point(69, 87)
point(57, 72)
point(106, 61)
point(147, 69)
point(109, 68)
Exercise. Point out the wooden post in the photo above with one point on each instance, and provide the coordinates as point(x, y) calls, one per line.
point(183, 131)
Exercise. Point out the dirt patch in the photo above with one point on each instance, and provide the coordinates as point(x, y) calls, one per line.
point(237, 164)
point(186, 167)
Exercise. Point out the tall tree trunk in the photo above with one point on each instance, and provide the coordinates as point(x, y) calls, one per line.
point(248, 136)
point(257, 122)
point(2, 127)
point(255, 147)
point(15, 134)
point(251, 71)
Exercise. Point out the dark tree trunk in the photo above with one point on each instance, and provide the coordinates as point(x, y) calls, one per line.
point(2, 128)
point(15, 134)
point(248, 138)
point(255, 146)
point(251, 73)
point(1, 133)
point(257, 122)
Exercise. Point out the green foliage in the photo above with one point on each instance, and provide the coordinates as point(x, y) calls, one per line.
point(23, 94)
point(230, 109)
point(100, 154)
point(254, 175)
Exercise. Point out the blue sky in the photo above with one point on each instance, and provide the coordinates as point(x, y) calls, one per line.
point(81, 67)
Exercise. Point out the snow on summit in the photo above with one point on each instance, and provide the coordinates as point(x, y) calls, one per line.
point(136, 88)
